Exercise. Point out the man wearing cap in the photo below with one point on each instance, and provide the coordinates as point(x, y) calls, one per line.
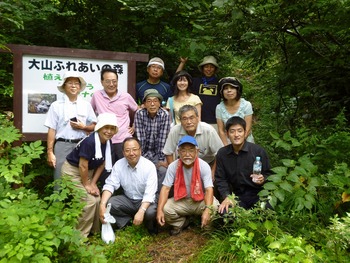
point(69, 119)
point(155, 69)
point(206, 87)
point(138, 178)
point(152, 125)
point(84, 165)
point(122, 104)
point(208, 139)
point(193, 189)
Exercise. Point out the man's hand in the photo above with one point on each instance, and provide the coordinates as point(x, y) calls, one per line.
point(95, 191)
point(160, 218)
point(225, 205)
point(77, 125)
point(51, 159)
point(258, 178)
point(183, 60)
point(90, 189)
point(131, 130)
point(102, 213)
point(138, 218)
point(205, 217)
point(162, 163)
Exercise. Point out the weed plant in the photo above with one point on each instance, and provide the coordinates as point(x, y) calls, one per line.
point(310, 194)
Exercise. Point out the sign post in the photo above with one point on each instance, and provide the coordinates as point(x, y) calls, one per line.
point(38, 70)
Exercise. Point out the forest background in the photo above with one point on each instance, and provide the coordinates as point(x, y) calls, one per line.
point(293, 60)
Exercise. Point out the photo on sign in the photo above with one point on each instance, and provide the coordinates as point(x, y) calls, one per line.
point(40, 103)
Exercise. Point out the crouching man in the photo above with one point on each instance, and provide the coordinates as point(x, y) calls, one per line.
point(138, 178)
point(193, 189)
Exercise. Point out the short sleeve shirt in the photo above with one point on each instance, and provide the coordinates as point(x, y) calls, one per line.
point(204, 170)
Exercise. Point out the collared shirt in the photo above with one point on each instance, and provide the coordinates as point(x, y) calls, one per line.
point(138, 183)
point(162, 87)
point(152, 132)
point(205, 173)
point(56, 118)
point(232, 174)
point(207, 138)
point(120, 105)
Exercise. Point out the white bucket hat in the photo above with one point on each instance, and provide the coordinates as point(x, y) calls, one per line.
point(156, 61)
point(71, 74)
point(106, 119)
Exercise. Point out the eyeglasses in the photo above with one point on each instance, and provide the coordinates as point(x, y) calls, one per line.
point(186, 119)
point(134, 150)
point(190, 151)
point(72, 83)
point(110, 81)
point(154, 101)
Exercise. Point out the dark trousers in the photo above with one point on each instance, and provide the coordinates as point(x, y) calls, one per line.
point(124, 209)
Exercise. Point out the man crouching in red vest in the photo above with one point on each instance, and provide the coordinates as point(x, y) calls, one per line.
point(193, 189)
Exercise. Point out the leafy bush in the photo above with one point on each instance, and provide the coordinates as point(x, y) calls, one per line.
point(310, 185)
point(257, 235)
point(34, 229)
point(313, 165)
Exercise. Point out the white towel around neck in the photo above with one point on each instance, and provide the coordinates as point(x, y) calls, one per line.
point(81, 108)
point(98, 153)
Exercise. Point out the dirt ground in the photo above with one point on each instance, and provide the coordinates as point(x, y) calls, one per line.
point(180, 248)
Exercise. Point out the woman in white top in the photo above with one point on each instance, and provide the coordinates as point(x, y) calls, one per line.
point(182, 83)
point(233, 105)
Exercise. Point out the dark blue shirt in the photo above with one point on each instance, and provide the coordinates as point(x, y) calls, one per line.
point(86, 150)
point(162, 87)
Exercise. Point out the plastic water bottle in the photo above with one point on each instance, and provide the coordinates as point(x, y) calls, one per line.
point(257, 167)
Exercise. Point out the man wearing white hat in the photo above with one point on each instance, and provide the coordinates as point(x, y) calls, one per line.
point(69, 120)
point(155, 70)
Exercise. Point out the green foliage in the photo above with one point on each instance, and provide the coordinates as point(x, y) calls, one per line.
point(34, 229)
point(313, 163)
point(293, 184)
point(42, 230)
point(129, 246)
point(258, 235)
point(14, 159)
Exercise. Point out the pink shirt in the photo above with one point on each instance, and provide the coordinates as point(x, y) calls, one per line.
point(121, 104)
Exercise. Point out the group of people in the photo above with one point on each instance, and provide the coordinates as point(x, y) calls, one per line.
point(180, 153)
